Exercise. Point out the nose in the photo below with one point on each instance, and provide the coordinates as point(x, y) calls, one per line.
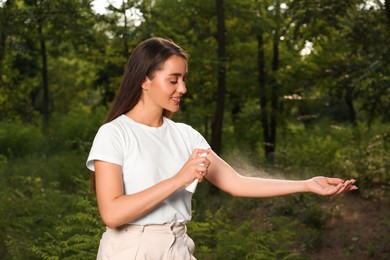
point(182, 88)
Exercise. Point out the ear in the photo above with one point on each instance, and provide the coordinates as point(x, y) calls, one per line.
point(146, 83)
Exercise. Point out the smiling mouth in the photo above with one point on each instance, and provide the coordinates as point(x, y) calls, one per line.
point(176, 100)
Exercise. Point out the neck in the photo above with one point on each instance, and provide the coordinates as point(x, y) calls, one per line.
point(146, 117)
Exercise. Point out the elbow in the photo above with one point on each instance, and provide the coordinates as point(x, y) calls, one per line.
point(237, 191)
point(235, 194)
point(111, 221)
point(111, 225)
point(232, 192)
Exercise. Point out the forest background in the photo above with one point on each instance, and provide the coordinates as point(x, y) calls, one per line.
point(280, 88)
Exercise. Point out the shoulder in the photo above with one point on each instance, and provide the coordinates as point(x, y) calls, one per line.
point(180, 126)
point(185, 129)
point(110, 127)
point(113, 129)
point(189, 134)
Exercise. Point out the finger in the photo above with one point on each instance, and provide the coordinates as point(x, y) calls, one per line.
point(207, 162)
point(201, 167)
point(204, 170)
point(350, 186)
point(200, 176)
point(336, 189)
point(203, 152)
point(202, 161)
point(346, 186)
point(342, 189)
point(353, 187)
point(349, 183)
point(195, 153)
point(334, 181)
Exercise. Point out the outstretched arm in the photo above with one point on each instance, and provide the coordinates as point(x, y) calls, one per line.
point(227, 179)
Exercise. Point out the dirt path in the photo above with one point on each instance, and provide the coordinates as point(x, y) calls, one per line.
point(356, 228)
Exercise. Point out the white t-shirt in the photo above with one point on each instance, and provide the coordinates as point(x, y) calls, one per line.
point(149, 155)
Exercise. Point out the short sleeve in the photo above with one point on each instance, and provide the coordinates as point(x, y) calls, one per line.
point(107, 146)
point(199, 140)
point(194, 137)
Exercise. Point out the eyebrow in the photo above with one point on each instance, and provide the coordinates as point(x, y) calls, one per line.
point(177, 74)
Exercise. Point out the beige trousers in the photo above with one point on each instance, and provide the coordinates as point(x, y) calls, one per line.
point(150, 242)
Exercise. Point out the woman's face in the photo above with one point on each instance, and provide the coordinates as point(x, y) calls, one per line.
point(165, 89)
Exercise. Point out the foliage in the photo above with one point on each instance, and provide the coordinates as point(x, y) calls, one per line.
point(41, 220)
point(48, 210)
point(76, 236)
point(43, 49)
point(75, 130)
point(18, 139)
point(257, 229)
point(337, 150)
point(369, 162)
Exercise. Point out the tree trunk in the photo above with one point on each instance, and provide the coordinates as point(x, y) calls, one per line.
point(5, 23)
point(3, 39)
point(269, 110)
point(387, 7)
point(274, 94)
point(269, 119)
point(45, 82)
point(349, 102)
point(216, 135)
point(263, 92)
point(125, 34)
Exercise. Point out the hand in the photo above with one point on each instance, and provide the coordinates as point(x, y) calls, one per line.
point(195, 167)
point(329, 186)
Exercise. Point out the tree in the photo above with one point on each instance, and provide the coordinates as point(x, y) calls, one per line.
point(347, 65)
point(122, 30)
point(269, 96)
point(387, 9)
point(196, 34)
point(216, 135)
point(42, 31)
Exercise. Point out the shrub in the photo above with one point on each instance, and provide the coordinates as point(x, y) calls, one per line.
point(76, 236)
point(39, 221)
point(76, 129)
point(256, 228)
point(19, 139)
point(368, 162)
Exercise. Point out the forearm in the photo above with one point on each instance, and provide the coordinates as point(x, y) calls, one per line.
point(127, 208)
point(260, 187)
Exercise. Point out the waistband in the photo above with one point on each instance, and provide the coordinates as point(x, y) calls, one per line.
point(176, 228)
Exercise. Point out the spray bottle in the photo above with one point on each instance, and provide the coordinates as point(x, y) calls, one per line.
point(192, 186)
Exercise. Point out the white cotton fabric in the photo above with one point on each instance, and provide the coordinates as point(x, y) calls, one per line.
point(149, 155)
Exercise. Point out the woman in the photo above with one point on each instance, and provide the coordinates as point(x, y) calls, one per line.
point(143, 161)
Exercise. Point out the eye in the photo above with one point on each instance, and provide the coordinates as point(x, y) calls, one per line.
point(174, 80)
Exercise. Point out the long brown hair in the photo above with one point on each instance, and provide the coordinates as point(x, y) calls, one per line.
point(145, 60)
